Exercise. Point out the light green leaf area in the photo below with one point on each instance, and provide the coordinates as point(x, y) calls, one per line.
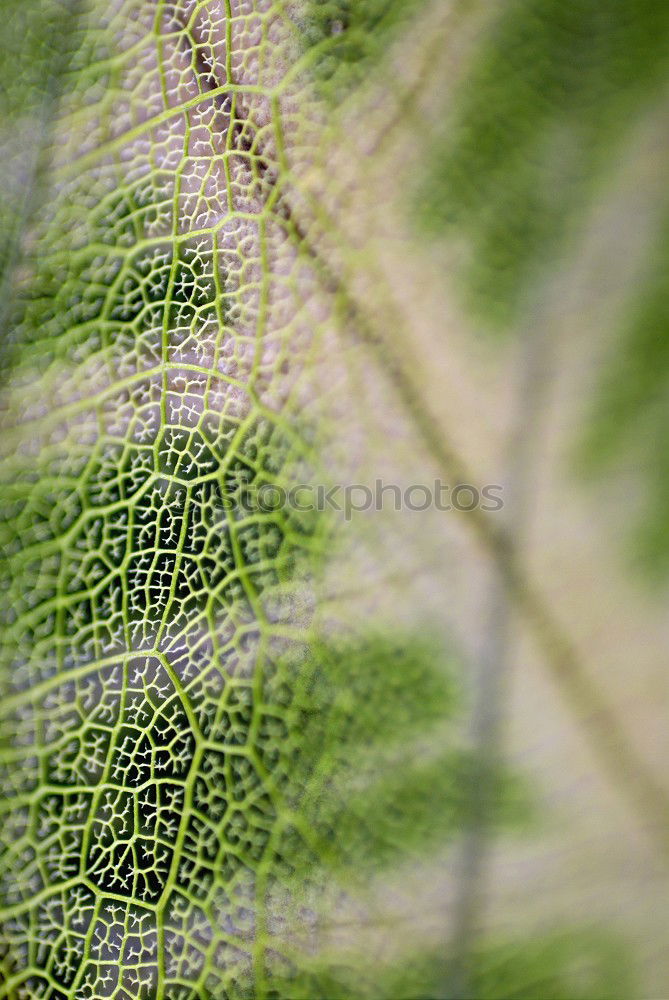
point(344, 40)
point(31, 69)
point(582, 964)
point(553, 91)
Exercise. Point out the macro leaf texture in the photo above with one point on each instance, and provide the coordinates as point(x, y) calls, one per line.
point(190, 773)
point(237, 757)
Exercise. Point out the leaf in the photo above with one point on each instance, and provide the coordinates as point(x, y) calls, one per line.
point(194, 777)
point(216, 783)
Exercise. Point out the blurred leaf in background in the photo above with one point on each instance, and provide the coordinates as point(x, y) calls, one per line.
point(554, 95)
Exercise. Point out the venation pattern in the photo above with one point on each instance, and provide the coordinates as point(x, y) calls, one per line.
point(201, 783)
point(146, 723)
